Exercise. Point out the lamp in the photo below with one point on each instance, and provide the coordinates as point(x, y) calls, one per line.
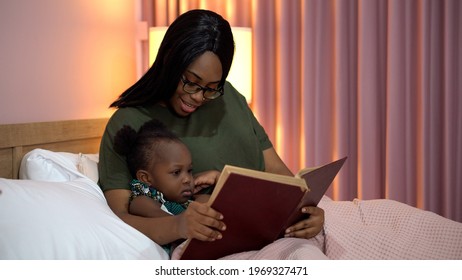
point(240, 74)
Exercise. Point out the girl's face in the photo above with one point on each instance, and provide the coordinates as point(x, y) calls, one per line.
point(205, 71)
point(171, 172)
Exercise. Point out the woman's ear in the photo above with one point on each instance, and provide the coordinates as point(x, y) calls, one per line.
point(144, 176)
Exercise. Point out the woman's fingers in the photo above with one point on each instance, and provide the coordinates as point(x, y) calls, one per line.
point(202, 222)
point(309, 227)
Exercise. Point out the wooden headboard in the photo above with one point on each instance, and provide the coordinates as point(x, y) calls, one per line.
point(74, 136)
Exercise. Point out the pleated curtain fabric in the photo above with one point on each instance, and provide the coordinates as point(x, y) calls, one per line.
point(379, 81)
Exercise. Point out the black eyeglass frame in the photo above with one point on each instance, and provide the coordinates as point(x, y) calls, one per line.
point(215, 93)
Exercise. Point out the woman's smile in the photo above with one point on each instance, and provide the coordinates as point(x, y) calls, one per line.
point(187, 107)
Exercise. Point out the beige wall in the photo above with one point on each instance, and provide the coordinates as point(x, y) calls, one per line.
point(62, 60)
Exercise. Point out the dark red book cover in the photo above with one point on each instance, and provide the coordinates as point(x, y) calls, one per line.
point(254, 212)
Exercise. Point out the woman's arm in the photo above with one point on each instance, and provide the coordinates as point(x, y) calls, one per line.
point(198, 221)
point(274, 164)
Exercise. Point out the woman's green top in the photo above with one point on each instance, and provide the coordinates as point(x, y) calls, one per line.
point(222, 131)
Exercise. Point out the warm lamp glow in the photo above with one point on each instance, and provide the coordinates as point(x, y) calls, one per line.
point(240, 74)
point(156, 34)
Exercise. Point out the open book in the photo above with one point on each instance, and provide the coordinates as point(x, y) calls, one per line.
point(258, 207)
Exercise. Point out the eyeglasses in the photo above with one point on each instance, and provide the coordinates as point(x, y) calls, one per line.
point(207, 93)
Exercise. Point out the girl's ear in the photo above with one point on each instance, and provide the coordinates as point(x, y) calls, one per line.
point(144, 176)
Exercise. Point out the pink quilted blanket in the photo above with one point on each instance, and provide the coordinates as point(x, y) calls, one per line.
point(371, 229)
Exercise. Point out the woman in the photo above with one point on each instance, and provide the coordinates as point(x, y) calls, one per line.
point(186, 89)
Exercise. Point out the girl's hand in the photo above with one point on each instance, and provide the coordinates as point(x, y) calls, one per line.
point(202, 198)
point(205, 179)
point(310, 227)
point(201, 222)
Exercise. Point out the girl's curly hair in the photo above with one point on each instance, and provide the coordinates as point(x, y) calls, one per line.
point(140, 147)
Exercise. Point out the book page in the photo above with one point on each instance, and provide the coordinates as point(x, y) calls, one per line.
point(266, 176)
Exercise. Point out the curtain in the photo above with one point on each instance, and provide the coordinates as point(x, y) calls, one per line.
point(379, 81)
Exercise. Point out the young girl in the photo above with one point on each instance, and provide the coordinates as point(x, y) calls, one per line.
point(161, 166)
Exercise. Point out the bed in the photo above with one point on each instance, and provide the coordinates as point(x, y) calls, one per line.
point(56, 210)
point(52, 208)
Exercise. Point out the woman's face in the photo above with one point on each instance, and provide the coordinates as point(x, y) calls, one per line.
point(205, 71)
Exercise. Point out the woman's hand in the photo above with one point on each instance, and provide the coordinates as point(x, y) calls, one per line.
point(201, 222)
point(310, 227)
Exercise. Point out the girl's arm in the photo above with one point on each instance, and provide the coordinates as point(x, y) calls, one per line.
point(146, 207)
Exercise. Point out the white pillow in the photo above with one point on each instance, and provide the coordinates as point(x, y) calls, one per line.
point(88, 165)
point(65, 220)
point(45, 165)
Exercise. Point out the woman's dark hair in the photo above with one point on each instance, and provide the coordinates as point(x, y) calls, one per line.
point(139, 147)
point(189, 36)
